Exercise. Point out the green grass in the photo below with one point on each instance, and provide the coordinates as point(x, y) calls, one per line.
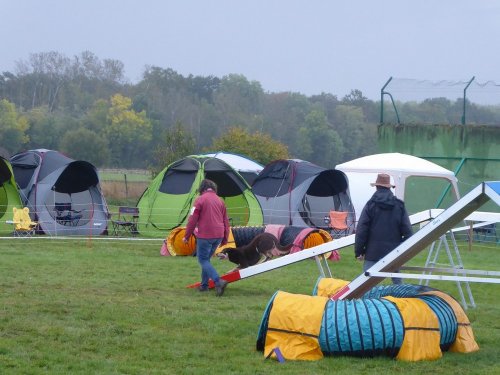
point(117, 307)
point(119, 175)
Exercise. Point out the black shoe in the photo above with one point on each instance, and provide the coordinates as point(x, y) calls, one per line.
point(220, 286)
point(203, 288)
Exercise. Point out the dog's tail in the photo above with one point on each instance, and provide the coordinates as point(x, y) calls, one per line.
point(282, 250)
point(222, 256)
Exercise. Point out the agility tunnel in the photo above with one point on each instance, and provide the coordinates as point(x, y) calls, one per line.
point(407, 322)
point(300, 237)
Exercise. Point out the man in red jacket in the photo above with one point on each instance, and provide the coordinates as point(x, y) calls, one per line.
point(210, 216)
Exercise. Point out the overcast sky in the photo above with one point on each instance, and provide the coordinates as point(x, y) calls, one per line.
point(304, 46)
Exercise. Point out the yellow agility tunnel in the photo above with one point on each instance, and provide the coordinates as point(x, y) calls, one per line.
point(407, 322)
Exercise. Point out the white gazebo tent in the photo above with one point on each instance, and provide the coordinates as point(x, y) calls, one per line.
point(362, 171)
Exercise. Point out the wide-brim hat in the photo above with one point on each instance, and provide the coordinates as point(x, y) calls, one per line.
point(383, 180)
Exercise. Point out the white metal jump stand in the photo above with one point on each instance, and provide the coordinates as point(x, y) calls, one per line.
point(454, 266)
point(423, 238)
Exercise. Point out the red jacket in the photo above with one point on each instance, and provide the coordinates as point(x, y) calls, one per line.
point(210, 216)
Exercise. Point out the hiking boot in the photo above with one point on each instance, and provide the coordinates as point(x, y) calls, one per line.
point(203, 288)
point(220, 286)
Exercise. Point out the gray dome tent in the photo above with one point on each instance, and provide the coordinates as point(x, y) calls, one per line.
point(63, 194)
point(300, 193)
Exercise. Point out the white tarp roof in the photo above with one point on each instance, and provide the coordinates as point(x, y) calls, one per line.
point(362, 171)
point(397, 164)
point(238, 162)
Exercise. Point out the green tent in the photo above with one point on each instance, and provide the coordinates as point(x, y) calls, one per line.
point(166, 203)
point(9, 196)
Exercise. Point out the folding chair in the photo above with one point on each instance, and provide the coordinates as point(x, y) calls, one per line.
point(23, 225)
point(337, 222)
point(65, 215)
point(126, 221)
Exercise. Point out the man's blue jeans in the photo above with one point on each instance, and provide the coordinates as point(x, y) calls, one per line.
point(205, 248)
point(367, 265)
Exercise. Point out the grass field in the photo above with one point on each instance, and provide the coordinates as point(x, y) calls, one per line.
point(117, 307)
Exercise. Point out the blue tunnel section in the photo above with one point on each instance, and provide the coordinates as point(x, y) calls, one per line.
point(447, 320)
point(398, 291)
point(261, 336)
point(365, 327)
point(448, 325)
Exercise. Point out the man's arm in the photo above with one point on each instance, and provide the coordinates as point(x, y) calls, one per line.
point(406, 228)
point(226, 227)
point(362, 231)
point(192, 221)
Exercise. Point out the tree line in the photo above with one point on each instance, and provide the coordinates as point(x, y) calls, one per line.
point(84, 107)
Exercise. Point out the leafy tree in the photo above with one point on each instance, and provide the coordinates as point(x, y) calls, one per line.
point(44, 75)
point(47, 128)
point(56, 95)
point(203, 88)
point(162, 92)
point(370, 109)
point(322, 145)
point(282, 117)
point(128, 132)
point(358, 137)
point(13, 127)
point(328, 103)
point(238, 100)
point(433, 111)
point(355, 97)
point(257, 146)
point(84, 144)
point(176, 144)
point(96, 116)
point(53, 80)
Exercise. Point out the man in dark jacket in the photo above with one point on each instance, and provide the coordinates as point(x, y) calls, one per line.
point(382, 226)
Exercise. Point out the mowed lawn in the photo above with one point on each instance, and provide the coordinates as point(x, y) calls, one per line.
point(116, 307)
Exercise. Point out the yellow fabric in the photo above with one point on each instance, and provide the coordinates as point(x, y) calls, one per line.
point(175, 246)
point(422, 337)
point(465, 342)
point(22, 220)
point(328, 286)
point(294, 326)
point(317, 238)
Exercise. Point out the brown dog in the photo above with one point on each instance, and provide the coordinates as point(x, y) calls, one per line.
point(263, 245)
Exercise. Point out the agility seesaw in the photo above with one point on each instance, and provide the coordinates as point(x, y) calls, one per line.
point(439, 223)
point(312, 252)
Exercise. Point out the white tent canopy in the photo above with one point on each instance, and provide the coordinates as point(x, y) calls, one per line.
point(362, 171)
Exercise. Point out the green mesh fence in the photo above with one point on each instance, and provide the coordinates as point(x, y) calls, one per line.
point(472, 152)
point(420, 101)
